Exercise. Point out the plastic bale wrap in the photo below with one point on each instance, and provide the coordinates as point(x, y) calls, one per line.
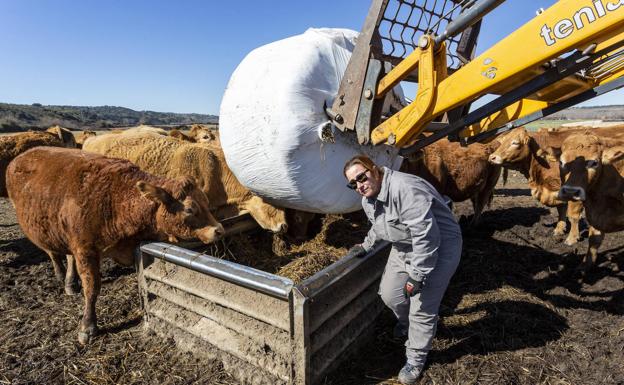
point(271, 119)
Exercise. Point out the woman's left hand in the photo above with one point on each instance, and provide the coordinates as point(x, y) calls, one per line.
point(412, 287)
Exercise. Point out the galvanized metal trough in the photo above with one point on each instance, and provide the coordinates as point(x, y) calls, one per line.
point(264, 328)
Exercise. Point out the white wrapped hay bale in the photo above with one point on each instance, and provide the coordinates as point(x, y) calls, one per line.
point(271, 117)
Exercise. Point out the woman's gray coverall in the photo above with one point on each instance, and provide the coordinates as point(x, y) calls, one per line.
point(426, 246)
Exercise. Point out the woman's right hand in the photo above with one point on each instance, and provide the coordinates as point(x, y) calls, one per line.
point(356, 251)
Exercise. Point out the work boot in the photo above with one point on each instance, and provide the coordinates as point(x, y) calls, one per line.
point(409, 374)
point(400, 332)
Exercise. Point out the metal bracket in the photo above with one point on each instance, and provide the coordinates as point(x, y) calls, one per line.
point(589, 94)
point(367, 102)
point(431, 69)
point(563, 68)
point(352, 84)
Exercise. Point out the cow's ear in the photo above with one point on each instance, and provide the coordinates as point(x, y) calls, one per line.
point(526, 138)
point(64, 135)
point(154, 193)
point(551, 154)
point(188, 185)
point(612, 155)
point(175, 133)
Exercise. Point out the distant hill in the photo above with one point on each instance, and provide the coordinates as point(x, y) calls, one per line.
point(615, 112)
point(21, 117)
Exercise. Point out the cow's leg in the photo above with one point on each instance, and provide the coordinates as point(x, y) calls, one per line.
point(595, 240)
point(57, 264)
point(484, 197)
point(122, 253)
point(561, 223)
point(477, 208)
point(71, 279)
point(88, 265)
point(574, 215)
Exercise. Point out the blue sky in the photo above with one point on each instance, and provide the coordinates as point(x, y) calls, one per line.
point(165, 55)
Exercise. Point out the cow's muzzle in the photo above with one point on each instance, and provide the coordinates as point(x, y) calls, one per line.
point(495, 159)
point(282, 228)
point(571, 193)
point(211, 233)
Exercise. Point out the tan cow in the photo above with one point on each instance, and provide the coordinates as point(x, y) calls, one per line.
point(592, 170)
point(13, 145)
point(525, 153)
point(204, 134)
point(198, 134)
point(175, 133)
point(204, 163)
point(141, 129)
point(91, 207)
point(82, 136)
point(458, 172)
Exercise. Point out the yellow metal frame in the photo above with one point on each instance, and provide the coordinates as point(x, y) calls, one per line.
point(512, 61)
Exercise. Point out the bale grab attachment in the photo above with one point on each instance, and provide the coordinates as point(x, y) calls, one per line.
point(567, 54)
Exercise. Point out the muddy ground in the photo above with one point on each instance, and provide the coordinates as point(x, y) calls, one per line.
point(515, 313)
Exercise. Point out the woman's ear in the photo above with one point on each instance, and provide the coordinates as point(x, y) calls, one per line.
point(378, 172)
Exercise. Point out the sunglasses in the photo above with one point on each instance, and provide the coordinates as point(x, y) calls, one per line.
point(361, 178)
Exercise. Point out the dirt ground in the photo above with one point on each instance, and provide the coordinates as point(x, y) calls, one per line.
point(515, 312)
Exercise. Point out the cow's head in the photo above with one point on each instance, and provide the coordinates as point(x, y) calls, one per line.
point(175, 133)
point(83, 136)
point(298, 222)
point(203, 134)
point(268, 216)
point(580, 162)
point(514, 147)
point(183, 211)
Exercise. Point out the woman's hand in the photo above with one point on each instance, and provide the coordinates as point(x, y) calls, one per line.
point(356, 251)
point(412, 287)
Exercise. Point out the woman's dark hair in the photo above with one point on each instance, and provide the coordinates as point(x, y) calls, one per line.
point(365, 161)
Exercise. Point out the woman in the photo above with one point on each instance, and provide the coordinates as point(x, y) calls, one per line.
point(426, 246)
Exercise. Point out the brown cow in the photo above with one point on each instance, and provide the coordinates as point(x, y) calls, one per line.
point(203, 162)
point(13, 145)
point(89, 206)
point(298, 224)
point(64, 136)
point(592, 170)
point(458, 172)
point(525, 153)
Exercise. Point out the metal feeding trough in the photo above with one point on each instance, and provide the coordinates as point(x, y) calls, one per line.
point(264, 328)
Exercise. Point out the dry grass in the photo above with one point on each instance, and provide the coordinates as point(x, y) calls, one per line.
point(275, 254)
point(513, 314)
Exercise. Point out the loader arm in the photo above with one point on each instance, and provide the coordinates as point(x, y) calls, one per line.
point(570, 52)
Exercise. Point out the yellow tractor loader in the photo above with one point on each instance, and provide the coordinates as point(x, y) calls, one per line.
point(267, 329)
point(565, 55)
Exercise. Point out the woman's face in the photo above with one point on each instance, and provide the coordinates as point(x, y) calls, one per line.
point(365, 182)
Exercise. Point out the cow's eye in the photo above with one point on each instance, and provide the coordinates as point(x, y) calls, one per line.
point(515, 144)
point(591, 163)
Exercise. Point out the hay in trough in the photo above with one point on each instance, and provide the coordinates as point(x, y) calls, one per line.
point(332, 237)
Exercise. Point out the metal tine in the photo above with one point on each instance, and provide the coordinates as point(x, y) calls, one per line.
point(400, 36)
